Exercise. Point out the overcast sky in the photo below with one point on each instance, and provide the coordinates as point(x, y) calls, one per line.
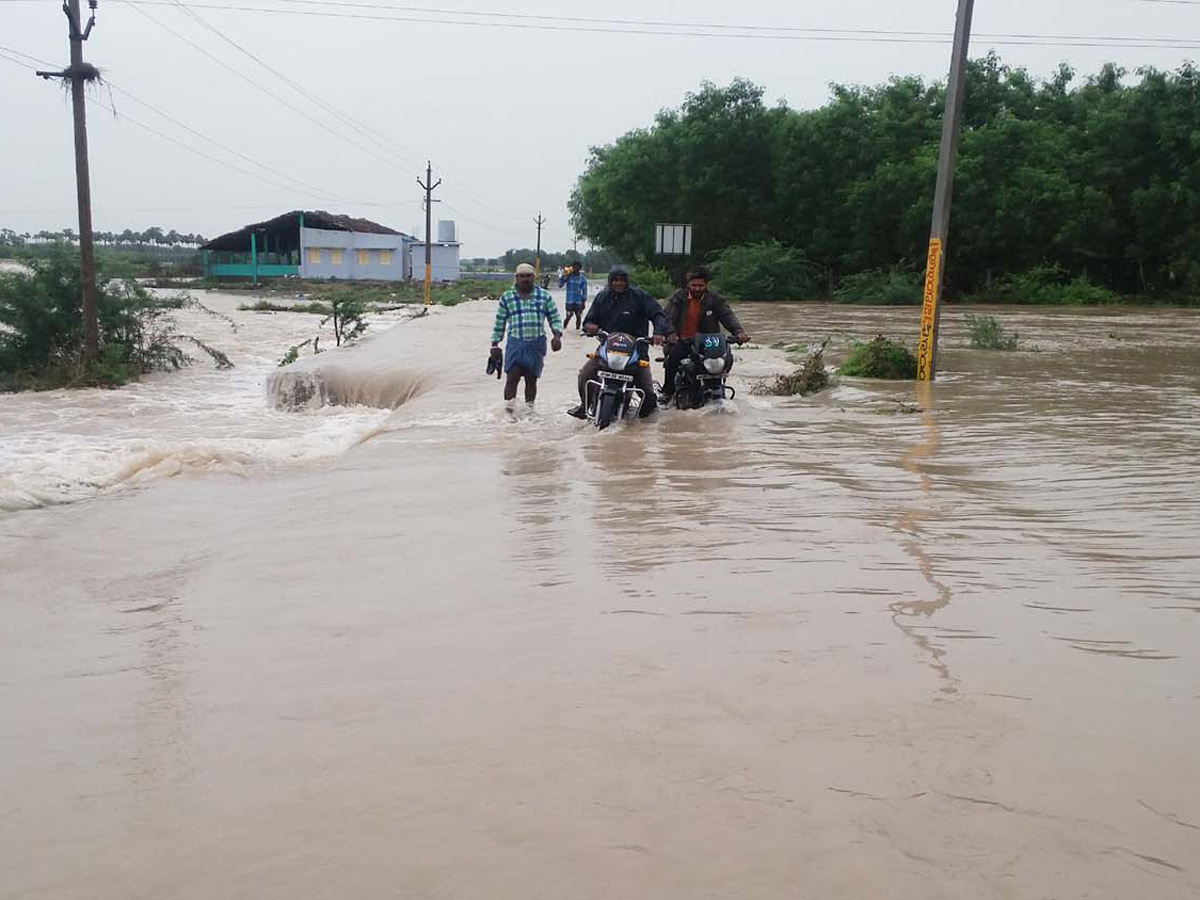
point(506, 114)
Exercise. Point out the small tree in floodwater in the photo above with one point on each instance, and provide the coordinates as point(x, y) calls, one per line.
point(347, 317)
point(988, 334)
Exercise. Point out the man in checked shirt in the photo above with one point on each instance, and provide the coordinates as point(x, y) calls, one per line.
point(523, 312)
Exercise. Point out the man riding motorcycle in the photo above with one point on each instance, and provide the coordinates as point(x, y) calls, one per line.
point(690, 312)
point(622, 307)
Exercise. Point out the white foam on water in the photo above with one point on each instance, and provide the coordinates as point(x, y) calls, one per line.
point(65, 446)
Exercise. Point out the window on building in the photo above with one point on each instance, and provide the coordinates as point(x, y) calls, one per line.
point(335, 256)
point(314, 256)
point(385, 257)
point(363, 257)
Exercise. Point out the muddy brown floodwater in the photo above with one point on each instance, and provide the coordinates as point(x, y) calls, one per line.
point(797, 648)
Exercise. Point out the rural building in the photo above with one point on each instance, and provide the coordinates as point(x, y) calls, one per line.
point(323, 245)
point(443, 256)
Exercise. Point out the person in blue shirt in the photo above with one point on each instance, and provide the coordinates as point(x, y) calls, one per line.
point(577, 289)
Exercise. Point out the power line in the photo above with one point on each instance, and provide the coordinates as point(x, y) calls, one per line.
point(313, 189)
point(708, 26)
point(737, 33)
point(36, 59)
point(386, 144)
point(328, 107)
point(262, 88)
point(378, 138)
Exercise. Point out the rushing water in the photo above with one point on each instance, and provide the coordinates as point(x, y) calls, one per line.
point(64, 446)
point(869, 643)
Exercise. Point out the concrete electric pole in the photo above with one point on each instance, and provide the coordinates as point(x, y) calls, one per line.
point(537, 256)
point(79, 74)
point(935, 263)
point(428, 184)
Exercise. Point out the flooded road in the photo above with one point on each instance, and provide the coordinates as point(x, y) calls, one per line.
point(863, 644)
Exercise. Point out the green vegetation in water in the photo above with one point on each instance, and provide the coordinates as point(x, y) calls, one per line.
point(313, 307)
point(41, 329)
point(319, 296)
point(988, 334)
point(767, 270)
point(1049, 285)
point(293, 352)
point(811, 377)
point(897, 286)
point(880, 358)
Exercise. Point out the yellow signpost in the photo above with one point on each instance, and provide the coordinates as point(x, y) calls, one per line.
point(927, 348)
point(929, 311)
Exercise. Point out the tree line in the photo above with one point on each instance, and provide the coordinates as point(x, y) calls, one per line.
point(1096, 180)
point(152, 237)
point(595, 260)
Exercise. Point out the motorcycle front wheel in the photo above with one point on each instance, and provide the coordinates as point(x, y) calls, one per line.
point(607, 410)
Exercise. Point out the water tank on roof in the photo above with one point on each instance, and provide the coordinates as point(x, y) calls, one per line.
point(446, 232)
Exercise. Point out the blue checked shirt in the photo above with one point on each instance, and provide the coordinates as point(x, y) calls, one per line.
point(525, 317)
point(576, 289)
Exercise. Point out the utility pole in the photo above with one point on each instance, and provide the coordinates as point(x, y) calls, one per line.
point(935, 262)
point(537, 256)
point(80, 73)
point(429, 184)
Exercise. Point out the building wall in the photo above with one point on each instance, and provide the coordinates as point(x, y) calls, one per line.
point(353, 255)
point(443, 261)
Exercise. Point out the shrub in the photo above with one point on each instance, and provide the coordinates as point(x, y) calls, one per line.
point(764, 271)
point(41, 328)
point(988, 334)
point(880, 358)
point(1050, 286)
point(897, 286)
point(655, 282)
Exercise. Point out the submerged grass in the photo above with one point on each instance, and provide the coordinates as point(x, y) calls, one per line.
point(373, 295)
point(880, 358)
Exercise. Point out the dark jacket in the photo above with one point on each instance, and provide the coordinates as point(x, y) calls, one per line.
point(633, 312)
point(714, 312)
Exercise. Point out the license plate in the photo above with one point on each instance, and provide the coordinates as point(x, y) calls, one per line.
point(616, 376)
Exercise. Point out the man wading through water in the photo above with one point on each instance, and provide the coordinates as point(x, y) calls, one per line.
point(523, 312)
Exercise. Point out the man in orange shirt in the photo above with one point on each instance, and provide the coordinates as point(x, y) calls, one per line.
point(694, 311)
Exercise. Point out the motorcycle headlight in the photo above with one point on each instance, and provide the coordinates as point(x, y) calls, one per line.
point(714, 366)
point(617, 361)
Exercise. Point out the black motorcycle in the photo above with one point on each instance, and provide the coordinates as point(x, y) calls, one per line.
point(612, 395)
point(700, 378)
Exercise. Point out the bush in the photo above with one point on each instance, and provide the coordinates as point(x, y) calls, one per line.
point(655, 282)
point(898, 286)
point(880, 358)
point(41, 329)
point(1050, 286)
point(808, 379)
point(988, 334)
point(764, 271)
